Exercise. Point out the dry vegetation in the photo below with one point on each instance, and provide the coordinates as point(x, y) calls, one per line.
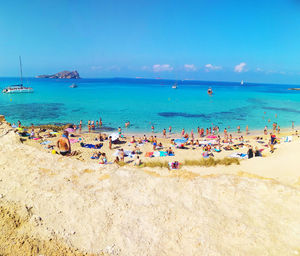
point(201, 162)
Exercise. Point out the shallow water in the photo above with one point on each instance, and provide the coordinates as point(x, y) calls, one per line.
point(147, 102)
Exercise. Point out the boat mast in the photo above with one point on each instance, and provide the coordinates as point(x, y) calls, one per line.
point(21, 73)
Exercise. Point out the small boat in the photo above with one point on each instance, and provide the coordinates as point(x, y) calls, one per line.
point(174, 86)
point(73, 86)
point(242, 82)
point(18, 88)
point(209, 91)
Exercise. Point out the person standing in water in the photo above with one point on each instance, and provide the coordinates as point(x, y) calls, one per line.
point(100, 122)
point(182, 132)
point(247, 129)
point(170, 129)
point(152, 128)
point(266, 130)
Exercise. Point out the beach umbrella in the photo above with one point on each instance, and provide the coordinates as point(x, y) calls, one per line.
point(114, 136)
point(70, 130)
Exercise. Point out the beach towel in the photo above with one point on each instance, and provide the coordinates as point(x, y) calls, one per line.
point(127, 153)
point(288, 139)
point(239, 155)
point(180, 141)
point(212, 137)
point(148, 154)
point(45, 142)
point(163, 153)
point(73, 140)
point(156, 153)
point(90, 146)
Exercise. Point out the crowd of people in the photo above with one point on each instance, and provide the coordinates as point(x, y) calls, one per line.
point(209, 140)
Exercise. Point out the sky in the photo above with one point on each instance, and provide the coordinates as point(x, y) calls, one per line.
point(218, 40)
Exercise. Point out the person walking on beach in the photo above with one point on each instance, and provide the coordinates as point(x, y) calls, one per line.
point(266, 130)
point(164, 133)
point(247, 129)
point(109, 142)
point(64, 144)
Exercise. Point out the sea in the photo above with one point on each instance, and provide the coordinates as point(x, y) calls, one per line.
point(147, 102)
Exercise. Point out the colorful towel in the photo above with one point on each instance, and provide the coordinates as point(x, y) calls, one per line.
point(74, 140)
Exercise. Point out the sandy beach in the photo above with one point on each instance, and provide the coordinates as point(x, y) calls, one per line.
point(56, 205)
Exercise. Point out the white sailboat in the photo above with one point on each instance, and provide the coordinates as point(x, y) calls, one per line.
point(242, 82)
point(18, 88)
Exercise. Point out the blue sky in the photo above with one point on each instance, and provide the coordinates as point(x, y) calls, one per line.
point(253, 40)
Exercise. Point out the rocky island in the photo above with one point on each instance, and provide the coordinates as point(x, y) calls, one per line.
point(62, 75)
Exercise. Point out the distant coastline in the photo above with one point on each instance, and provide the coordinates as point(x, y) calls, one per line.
point(62, 75)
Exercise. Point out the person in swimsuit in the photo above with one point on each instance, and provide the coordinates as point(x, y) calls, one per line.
point(164, 133)
point(110, 142)
point(64, 144)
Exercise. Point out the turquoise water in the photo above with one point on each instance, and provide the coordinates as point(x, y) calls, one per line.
point(147, 102)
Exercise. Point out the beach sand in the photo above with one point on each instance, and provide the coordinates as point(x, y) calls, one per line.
point(80, 207)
